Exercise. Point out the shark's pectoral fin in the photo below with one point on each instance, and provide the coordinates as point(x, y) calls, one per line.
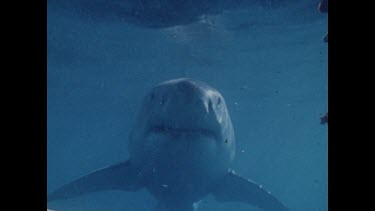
point(121, 176)
point(236, 188)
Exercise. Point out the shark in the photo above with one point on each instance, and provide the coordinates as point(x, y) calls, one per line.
point(181, 149)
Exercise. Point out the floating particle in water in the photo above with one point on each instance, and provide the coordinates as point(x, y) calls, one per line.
point(244, 87)
point(164, 185)
point(235, 103)
point(242, 150)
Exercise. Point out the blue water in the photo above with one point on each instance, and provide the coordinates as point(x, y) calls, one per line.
point(269, 63)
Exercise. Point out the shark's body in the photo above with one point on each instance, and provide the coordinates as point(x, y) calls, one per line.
point(181, 149)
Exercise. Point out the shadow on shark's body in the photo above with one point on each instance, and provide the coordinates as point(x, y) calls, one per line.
point(181, 149)
point(154, 13)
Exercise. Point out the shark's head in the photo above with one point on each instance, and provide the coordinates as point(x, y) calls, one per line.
point(183, 122)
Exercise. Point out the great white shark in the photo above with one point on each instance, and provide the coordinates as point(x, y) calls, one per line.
point(181, 149)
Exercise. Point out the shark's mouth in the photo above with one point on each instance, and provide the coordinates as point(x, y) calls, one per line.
point(162, 129)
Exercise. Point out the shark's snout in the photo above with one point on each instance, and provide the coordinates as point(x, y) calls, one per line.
point(187, 96)
point(187, 87)
point(185, 105)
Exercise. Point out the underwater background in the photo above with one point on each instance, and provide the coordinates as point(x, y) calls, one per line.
point(267, 58)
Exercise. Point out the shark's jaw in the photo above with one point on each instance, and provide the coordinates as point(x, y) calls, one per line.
point(173, 131)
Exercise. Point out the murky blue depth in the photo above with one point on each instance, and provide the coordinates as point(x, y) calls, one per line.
point(268, 61)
